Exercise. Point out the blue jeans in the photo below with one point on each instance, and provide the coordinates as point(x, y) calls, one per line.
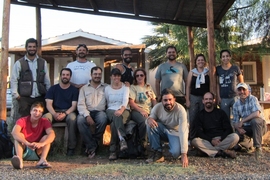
point(226, 104)
point(91, 140)
point(155, 136)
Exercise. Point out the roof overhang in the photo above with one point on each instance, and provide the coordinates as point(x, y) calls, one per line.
point(181, 12)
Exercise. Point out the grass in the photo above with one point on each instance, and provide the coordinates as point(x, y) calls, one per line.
point(137, 170)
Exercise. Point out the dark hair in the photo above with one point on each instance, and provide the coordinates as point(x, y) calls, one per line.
point(171, 46)
point(31, 40)
point(166, 92)
point(95, 68)
point(66, 69)
point(224, 50)
point(197, 56)
point(116, 71)
point(82, 45)
point(37, 104)
point(125, 49)
point(134, 74)
point(210, 93)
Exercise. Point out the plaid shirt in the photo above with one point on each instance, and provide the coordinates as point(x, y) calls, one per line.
point(244, 109)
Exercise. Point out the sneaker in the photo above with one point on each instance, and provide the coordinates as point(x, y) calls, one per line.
point(258, 153)
point(123, 145)
point(16, 162)
point(70, 152)
point(155, 157)
point(112, 156)
point(229, 153)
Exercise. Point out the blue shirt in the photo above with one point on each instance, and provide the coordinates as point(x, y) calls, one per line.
point(244, 109)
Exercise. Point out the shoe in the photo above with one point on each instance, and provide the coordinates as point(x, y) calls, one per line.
point(70, 152)
point(44, 165)
point(156, 156)
point(123, 145)
point(16, 162)
point(229, 153)
point(258, 153)
point(112, 156)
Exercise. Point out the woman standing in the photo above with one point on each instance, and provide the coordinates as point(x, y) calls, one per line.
point(141, 99)
point(117, 97)
point(198, 83)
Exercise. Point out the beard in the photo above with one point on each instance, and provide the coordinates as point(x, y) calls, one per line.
point(208, 105)
point(171, 57)
point(31, 53)
point(65, 81)
point(127, 60)
point(96, 80)
point(168, 107)
point(82, 55)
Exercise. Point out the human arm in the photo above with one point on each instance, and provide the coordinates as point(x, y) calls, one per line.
point(47, 80)
point(188, 84)
point(183, 130)
point(134, 106)
point(157, 86)
point(49, 105)
point(18, 136)
point(50, 136)
point(15, 76)
point(240, 78)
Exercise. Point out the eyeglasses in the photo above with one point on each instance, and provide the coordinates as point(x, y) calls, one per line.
point(138, 75)
point(171, 69)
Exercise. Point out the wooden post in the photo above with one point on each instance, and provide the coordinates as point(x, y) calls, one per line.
point(38, 30)
point(211, 46)
point(190, 47)
point(4, 59)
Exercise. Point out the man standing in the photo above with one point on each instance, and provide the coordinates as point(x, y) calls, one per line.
point(91, 107)
point(81, 67)
point(168, 122)
point(61, 102)
point(214, 133)
point(29, 81)
point(33, 136)
point(125, 68)
point(252, 122)
point(172, 75)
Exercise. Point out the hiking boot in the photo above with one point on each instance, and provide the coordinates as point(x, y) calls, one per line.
point(70, 152)
point(156, 156)
point(123, 145)
point(229, 153)
point(258, 153)
point(16, 162)
point(112, 156)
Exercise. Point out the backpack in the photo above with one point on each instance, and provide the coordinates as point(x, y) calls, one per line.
point(6, 145)
point(133, 143)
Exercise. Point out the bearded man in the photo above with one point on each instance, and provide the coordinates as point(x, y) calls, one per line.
point(214, 133)
point(125, 68)
point(80, 68)
point(171, 74)
point(29, 81)
point(168, 122)
point(61, 101)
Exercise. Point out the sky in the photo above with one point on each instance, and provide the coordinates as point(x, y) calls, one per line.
point(54, 23)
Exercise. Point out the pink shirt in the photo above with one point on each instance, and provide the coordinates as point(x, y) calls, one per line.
point(33, 134)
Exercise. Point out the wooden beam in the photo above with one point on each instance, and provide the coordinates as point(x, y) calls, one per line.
point(190, 47)
point(135, 7)
point(4, 59)
point(53, 3)
point(94, 5)
point(211, 46)
point(179, 10)
point(38, 30)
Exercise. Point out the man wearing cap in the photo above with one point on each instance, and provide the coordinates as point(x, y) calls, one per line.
point(81, 67)
point(252, 122)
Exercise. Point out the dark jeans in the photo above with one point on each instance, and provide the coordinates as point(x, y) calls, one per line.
point(140, 120)
point(256, 130)
point(91, 140)
point(25, 104)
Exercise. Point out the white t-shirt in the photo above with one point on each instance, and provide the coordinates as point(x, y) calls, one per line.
point(81, 72)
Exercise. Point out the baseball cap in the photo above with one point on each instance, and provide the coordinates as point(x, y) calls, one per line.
point(116, 71)
point(242, 85)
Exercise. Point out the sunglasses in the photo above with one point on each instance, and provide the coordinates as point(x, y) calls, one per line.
point(81, 45)
point(138, 75)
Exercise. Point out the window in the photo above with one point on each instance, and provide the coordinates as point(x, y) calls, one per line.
point(249, 72)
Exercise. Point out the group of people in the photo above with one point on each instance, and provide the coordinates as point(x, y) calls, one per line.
point(88, 105)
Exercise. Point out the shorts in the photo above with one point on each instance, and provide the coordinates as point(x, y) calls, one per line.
point(29, 154)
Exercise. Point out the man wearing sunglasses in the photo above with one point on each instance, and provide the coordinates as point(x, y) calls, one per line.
point(171, 74)
point(125, 68)
point(81, 68)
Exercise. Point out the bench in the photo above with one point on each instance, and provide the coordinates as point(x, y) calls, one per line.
point(59, 134)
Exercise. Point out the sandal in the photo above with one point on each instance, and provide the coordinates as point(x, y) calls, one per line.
point(43, 165)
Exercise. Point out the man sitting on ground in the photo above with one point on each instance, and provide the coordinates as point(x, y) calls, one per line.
point(214, 133)
point(33, 136)
point(168, 122)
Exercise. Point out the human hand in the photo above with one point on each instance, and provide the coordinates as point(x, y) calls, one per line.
point(184, 160)
point(118, 112)
point(90, 121)
point(144, 113)
point(152, 123)
point(215, 141)
point(187, 103)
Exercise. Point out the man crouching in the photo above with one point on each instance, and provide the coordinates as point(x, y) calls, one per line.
point(33, 136)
